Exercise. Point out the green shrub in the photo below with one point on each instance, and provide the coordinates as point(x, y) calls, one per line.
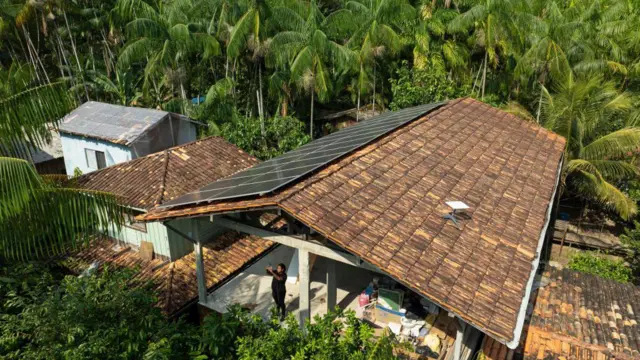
point(93, 317)
point(46, 316)
point(595, 264)
point(282, 134)
point(631, 239)
point(412, 86)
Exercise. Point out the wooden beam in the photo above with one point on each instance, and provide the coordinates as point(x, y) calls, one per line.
point(288, 240)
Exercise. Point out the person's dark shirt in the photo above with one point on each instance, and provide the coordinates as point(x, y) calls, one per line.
point(278, 285)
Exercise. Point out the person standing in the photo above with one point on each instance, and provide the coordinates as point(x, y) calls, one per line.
point(278, 288)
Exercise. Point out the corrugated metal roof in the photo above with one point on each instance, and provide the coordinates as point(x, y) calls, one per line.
point(115, 123)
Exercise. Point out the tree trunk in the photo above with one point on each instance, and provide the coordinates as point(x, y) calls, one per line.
point(539, 105)
point(311, 121)
point(359, 91)
point(358, 107)
point(260, 114)
point(75, 53)
point(260, 89)
point(373, 99)
point(285, 107)
point(484, 73)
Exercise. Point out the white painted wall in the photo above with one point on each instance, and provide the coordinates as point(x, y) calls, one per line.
point(74, 156)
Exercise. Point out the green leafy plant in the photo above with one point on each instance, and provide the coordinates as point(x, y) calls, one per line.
point(413, 86)
point(93, 317)
point(631, 239)
point(594, 263)
point(282, 134)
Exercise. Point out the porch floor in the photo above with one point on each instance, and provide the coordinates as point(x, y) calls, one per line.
point(252, 287)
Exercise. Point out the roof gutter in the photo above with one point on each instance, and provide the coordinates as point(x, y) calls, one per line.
point(522, 314)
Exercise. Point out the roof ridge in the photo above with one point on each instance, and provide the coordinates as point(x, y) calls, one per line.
point(157, 153)
point(163, 181)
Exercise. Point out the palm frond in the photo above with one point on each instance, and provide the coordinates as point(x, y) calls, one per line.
point(593, 186)
point(518, 110)
point(615, 145)
point(241, 32)
point(57, 219)
point(19, 180)
point(26, 116)
point(145, 28)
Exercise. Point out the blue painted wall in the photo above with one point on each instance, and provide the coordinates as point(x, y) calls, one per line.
point(74, 155)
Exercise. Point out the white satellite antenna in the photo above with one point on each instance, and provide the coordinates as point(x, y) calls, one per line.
point(455, 207)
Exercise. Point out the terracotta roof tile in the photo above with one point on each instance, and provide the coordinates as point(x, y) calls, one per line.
point(385, 202)
point(175, 283)
point(148, 181)
point(578, 316)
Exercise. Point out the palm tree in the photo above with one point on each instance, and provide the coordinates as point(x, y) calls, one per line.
point(549, 34)
point(433, 46)
point(42, 216)
point(585, 110)
point(379, 24)
point(165, 40)
point(494, 27)
point(309, 54)
point(250, 32)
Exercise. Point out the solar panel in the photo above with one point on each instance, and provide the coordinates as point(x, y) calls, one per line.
point(280, 171)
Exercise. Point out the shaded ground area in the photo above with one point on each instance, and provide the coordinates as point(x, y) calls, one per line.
point(252, 287)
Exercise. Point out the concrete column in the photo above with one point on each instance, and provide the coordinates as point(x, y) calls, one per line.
point(457, 346)
point(202, 283)
point(331, 285)
point(292, 269)
point(304, 312)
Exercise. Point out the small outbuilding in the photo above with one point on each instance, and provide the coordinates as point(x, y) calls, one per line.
point(146, 182)
point(97, 135)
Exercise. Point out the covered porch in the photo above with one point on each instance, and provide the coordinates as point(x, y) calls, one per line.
point(322, 276)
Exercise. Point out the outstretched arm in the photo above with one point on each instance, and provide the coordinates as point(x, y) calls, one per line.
point(275, 274)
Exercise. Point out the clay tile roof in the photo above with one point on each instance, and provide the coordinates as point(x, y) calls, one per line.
point(148, 181)
point(175, 283)
point(579, 316)
point(385, 203)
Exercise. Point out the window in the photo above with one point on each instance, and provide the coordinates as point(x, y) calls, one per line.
point(130, 222)
point(95, 159)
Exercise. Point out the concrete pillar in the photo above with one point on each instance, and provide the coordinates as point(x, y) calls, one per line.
point(457, 346)
point(202, 283)
point(331, 285)
point(292, 269)
point(304, 312)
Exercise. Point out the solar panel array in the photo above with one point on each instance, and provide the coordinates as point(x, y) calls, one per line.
point(280, 171)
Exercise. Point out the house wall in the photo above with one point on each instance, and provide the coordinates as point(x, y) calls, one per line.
point(74, 156)
point(187, 132)
point(205, 231)
point(156, 234)
point(160, 136)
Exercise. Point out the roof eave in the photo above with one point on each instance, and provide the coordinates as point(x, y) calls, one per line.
point(113, 141)
point(522, 314)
